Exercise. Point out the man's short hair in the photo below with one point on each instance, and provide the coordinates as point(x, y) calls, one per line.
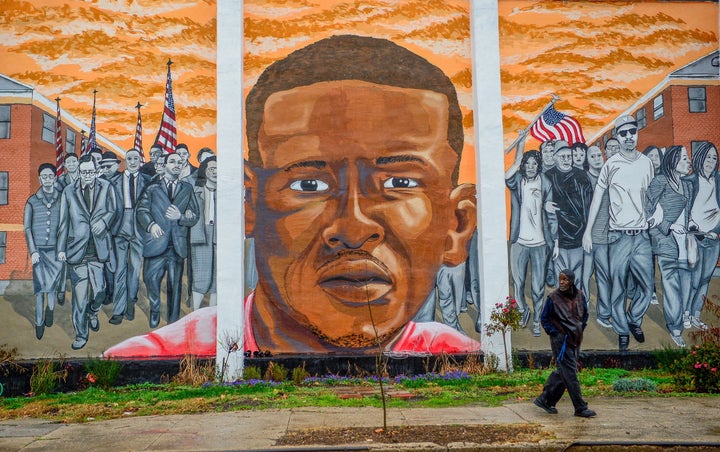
point(87, 158)
point(181, 146)
point(165, 156)
point(156, 148)
point(350, 57)
point(44, 166)
point(132, 150)
point(71, 155)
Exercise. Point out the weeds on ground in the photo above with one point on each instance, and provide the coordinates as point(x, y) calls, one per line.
point(634, 385)
point(47, 375)
point(194, 373)
point(276, 372)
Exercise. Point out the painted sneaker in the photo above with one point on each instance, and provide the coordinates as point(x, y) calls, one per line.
point(654, 299)
point(536, 329)
point(686, 320)
point(525, 318)
point(679, 341)
point(697, 323)
point(604, 323)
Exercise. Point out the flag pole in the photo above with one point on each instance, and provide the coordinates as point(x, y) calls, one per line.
point(525, 131)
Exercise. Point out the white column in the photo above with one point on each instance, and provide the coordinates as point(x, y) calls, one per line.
point(492, 238)
point(230, 193)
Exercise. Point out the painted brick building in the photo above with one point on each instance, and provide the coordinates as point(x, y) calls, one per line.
point(27, 139)
point(682, 110)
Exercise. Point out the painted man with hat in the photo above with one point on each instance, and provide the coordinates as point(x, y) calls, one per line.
point(572, 194)
point(626, 177)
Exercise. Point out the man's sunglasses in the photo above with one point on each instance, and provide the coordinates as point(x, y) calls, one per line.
point(623, 133)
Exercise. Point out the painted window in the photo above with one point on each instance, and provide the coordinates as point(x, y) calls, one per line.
point(3, 246)
point(641, 118)
point(70, 137)
point(48, 130)
point(4, 121)
point(658, 110)
point(697, 99)
point(4, 184)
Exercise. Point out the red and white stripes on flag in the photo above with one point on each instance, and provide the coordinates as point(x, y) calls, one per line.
point(91, 142)
point(553, 125)
point(59, 155)
point(138, 135)
point(167, 135)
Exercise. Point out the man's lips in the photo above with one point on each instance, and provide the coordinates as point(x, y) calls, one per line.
point(354, 280)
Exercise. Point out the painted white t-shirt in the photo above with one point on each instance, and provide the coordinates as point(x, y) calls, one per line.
point(531, 227)
point(705, 210)
point(627, 182)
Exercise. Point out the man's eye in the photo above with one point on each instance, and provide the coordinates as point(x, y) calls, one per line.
point(309, 185)
point(400, 182)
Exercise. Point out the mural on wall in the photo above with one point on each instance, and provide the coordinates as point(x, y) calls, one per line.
point(93, 222)
point(359, 211)
point(633, 208)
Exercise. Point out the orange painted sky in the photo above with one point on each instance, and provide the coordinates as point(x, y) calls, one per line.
point(599, 57)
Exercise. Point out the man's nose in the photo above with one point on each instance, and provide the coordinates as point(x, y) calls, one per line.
point(353, 226)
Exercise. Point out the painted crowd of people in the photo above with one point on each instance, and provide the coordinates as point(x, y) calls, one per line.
point(99, 227)
point(614, 216)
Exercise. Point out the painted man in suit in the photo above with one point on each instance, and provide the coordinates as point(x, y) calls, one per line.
point(165, 212)
point(84, 241)
point(127, 238)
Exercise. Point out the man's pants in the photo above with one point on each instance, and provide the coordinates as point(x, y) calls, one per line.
point(88, 289)
point(520, 255)
point(630, 257)
point(676, 282)
point(451, 293)
point(128, 253)
point(571, 259)
point(597, 260)
point(565, 376)
point(154, 270)
point(709, 251)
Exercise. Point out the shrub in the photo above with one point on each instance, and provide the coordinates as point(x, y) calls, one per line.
point(275, 372)
point(252, 373)
point(704, 364)
point(103, 372)
point(299, 374)
point(634, 385)
point(46, 377)
point(193, 373)
point(504, 318)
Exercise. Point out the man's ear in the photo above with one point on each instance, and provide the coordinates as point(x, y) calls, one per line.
point(250, 199)
point(463, 198)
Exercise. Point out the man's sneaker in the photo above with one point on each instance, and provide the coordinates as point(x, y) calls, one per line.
point(623, 343)
point(637, 332)
point(536, 329)
point(604, 323)
point(686, 320)
point(542, 404)
point(679, 341)
point(525, 318)
point(587, 412)
point(654, 299)
point(697, 323)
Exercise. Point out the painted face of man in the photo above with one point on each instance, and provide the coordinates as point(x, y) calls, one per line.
point(612, 147)
point(47, 179)
point(132, 161)
point(547, 150)
point(88, 173)
point(627, 135)
point(71, 163)
point(578, 155)
point(211, 171)
point(564, 160)
point(109, 168)
point(356, 206)
point(155, 154)
point(173, 166)
point(595, 157)
point(710, 163)
point(184, 155)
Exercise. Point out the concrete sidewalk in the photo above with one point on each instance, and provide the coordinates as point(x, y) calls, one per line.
point(687, 420)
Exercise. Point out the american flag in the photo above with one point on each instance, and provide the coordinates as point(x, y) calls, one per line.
point(59, 157)
point(553, 125)
point(91, 142)
point(138, 135)
point(167, 135)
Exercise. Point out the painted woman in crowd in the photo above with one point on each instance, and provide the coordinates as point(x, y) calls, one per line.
point(669, 236)
point(705, 219)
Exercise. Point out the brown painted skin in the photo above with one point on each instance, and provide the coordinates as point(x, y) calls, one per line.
point(354, 204)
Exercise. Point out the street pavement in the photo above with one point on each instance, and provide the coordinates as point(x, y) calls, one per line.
point(654, 421)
